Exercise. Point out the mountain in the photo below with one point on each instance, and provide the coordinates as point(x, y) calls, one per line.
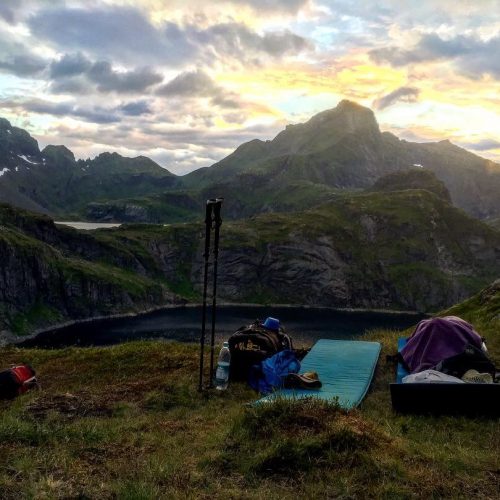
point(343, 148)
point(305, 165)
point(403, 249)
point(53, 182)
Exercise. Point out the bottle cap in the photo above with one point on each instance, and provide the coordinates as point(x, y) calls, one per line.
point(225, 344)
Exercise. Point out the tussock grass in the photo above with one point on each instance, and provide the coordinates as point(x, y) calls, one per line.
point(127, 422)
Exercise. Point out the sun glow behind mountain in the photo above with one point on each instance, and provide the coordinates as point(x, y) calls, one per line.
point(186, 82)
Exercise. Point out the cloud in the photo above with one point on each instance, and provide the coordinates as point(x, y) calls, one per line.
point(406, 94)
point(100, 73)
point(135, 108)
point(7, 10)
point(290, 6)
point(78, 86)
point(197, 83)
point(91, 114)
point(70, 65)
point(244, 44)
point(125, 35)
point(94, 114)
point(135, 80)
point(482, 145)
point(189, 84)
point(473, 57)
point(23, 65)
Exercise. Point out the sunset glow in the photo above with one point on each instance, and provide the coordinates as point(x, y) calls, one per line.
point(187, 82)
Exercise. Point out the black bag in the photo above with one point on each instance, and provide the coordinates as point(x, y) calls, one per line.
point(471, 358)
point(253, 343)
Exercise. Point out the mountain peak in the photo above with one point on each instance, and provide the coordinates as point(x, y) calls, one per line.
point(5, 124)
point(346, 104)
point(58, 153)
point(349, 113)
point(328, 128)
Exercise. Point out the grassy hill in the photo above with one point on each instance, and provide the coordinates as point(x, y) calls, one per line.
point(127, 422)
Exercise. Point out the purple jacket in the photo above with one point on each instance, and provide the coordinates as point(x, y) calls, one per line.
point(436, 339)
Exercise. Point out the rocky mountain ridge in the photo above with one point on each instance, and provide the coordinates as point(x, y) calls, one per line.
point(304, 165)
point(51, 181)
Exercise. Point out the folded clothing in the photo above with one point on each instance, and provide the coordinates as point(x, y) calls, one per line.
point(431, 377)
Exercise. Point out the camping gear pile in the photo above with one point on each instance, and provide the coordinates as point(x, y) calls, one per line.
point(262, 354)
point(444, 368)
point(449, 346)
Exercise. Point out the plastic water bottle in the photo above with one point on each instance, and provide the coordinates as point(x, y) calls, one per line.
point(223, 364)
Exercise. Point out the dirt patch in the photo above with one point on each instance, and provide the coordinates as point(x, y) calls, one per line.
point(69, 406)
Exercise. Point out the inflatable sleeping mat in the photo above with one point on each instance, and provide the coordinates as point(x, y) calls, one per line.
point(443, 398)
point(345, 368)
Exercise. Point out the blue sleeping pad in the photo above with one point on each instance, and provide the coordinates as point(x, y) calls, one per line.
point(345, 367)
point(402, 371)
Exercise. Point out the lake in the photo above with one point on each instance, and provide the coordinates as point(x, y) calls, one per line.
point(305, 325)
point(88, 226)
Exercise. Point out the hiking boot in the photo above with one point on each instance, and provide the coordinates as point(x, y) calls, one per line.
point(474, 377)
point(308, 380)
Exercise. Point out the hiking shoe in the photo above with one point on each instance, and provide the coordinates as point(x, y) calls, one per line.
point(308, 380)
point(474, 377)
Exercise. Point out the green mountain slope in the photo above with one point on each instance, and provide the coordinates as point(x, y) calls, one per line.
point(52, 274)
point(52, 181)
point(404, 249)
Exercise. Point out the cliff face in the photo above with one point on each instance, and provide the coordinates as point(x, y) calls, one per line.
point(50, 275)
point(407, 250)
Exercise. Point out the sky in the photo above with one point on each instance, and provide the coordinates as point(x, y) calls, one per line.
point(187, 81)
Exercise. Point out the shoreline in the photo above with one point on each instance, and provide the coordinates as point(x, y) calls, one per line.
point(8, 338)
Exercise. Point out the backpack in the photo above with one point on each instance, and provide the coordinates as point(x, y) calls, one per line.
point(253, 343)
point(16, 380)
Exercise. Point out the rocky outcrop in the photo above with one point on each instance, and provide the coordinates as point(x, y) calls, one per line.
point(414, 178)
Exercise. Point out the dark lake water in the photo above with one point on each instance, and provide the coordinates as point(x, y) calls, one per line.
point(305, 325)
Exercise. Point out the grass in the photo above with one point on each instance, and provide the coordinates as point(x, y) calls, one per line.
point(127, 422)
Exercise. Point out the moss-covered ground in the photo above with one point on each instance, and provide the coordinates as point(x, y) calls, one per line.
point(127, 422)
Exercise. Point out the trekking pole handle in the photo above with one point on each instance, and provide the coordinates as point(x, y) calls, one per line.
point(208, 225)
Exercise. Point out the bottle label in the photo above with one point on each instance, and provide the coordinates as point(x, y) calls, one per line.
point(222, 373)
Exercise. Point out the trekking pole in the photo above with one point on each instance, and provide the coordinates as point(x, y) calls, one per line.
point(218, 223)
point(206, 255)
